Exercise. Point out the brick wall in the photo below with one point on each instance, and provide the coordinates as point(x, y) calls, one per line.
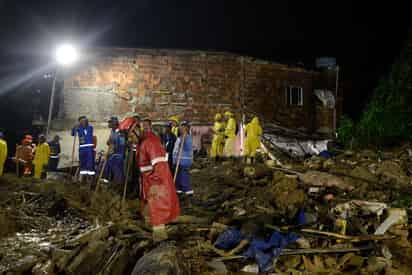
point(191, 84)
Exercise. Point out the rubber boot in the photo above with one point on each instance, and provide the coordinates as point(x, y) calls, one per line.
point(189, 201)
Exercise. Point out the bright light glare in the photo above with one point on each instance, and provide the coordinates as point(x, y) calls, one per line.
point(66, 54)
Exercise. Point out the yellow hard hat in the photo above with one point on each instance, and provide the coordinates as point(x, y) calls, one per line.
point(218, 116)
point(227, 113)
point(174, 118)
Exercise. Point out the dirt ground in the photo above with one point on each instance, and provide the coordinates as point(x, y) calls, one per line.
point(58, 227)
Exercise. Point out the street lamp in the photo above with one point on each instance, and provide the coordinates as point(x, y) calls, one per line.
point(65, 55)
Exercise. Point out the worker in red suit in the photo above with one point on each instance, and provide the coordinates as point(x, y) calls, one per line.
point(159, 201)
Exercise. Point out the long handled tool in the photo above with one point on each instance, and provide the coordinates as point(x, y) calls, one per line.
point(102, 171)
point(129, 164)
point(73, 150)
point(179, 156)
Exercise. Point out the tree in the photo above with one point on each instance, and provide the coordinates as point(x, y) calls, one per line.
point(388, 115)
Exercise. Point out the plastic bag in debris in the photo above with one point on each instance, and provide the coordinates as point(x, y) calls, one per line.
point(264, 251)
point(229, 239)
point(296, 148)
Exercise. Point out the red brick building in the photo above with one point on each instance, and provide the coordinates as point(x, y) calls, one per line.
point(195, 85)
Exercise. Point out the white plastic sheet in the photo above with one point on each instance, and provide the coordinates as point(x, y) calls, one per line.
point(297, 148)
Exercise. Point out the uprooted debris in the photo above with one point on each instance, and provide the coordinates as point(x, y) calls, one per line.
point(347, 213)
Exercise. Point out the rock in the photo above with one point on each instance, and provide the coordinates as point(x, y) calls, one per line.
point(315, 178)
point(287, 197)
point(163, 260)
point(390, 171)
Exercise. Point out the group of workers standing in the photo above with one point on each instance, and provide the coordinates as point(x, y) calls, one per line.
point(157, 166)
point(29, 156)
point(224, 137)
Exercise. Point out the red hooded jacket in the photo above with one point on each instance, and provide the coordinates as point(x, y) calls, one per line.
point(159, 191)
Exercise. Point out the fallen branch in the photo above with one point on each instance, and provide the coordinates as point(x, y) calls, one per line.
point(353, 239)
point(287, 252)
point(306, 251)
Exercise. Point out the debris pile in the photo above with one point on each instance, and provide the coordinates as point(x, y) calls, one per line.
point(347, 212)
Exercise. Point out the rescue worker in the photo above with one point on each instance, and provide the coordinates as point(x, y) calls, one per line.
point(159, 200)
point(253, 133)
point(54, 153)
point(230, 135)
point(86, 151)
point(183, 150)
point(41, 157)
point(24, 156)
point(174, 121)
point(168, 141)
point(117, 148)
point(3, 152)
point(216, 150)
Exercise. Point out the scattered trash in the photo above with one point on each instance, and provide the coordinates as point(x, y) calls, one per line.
point(252, 268)
point(285, 218)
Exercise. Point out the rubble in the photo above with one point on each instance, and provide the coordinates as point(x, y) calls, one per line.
point(56, 227)
point(315, 178)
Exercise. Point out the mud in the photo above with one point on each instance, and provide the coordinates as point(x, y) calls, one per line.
point(64, 228)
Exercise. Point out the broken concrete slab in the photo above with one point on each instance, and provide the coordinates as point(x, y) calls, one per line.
point(316, 178)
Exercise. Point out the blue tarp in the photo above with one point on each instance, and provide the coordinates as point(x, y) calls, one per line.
point(263, 251)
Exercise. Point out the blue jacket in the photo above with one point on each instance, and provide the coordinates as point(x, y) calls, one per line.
point(119, 143)
point(85, 136)
point(187, 153)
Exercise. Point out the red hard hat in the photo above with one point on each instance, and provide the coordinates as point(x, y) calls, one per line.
point(127, 123)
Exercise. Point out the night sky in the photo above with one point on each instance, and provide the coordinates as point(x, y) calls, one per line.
point(364, 37)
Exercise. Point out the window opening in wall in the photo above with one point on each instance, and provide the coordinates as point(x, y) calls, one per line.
point(294, 96)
